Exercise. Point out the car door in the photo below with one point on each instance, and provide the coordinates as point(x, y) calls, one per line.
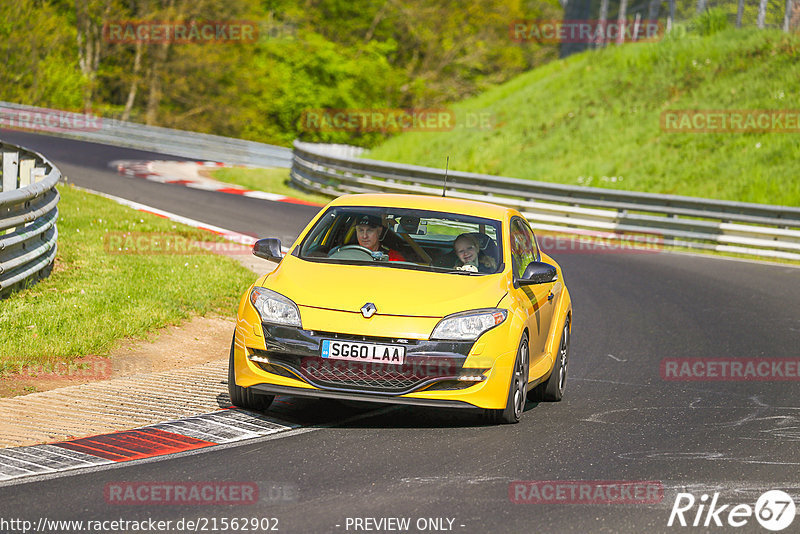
point(537, 299)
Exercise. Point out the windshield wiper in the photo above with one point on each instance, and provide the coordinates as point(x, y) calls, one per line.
point(459, 271)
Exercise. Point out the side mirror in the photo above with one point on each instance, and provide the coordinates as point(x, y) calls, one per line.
point(538, 272)
point(268, 249)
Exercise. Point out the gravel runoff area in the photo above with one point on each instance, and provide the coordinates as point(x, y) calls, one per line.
point(126, 402)
point(113, 405)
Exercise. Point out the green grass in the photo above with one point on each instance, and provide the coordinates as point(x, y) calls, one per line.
point(275, 180)
point(594, 119)
point(95, 297)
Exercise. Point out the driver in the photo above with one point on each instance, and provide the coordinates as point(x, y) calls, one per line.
point(370, 231)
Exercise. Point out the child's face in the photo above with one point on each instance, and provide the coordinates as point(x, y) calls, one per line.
point(466, 251)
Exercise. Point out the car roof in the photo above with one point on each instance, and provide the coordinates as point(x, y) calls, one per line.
point(426, 202)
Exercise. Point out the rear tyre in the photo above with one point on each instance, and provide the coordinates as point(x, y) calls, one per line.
point(517, 389)
point(553, 389)
point(245, 397)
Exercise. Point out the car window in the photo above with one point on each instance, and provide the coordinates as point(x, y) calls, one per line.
point(408, 238)
point(523, 246)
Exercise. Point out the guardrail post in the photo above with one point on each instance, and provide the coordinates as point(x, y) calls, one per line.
point(10, 170)
point(10, 173)
point(26, 172)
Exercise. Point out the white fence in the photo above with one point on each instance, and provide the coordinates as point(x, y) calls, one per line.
point(204, 147)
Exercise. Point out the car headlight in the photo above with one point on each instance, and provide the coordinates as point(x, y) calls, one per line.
point(274, 307)
point(468, 325)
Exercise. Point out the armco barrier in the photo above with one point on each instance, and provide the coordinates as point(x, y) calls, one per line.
point(113, 132)
point(730, 227)
point(28, 213)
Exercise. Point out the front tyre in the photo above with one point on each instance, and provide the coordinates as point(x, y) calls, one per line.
point(245, 397)
point(553, 389)
point(517, 389)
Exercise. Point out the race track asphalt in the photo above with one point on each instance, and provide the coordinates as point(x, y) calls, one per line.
point(619, 420)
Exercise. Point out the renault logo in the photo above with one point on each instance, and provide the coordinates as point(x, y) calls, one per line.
point(368, 310)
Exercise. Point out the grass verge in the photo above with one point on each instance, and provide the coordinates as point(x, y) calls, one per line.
point(594, 119)
point(96, 295)
point(275, 180)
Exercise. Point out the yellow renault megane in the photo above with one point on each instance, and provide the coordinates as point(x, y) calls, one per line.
point(406, 299)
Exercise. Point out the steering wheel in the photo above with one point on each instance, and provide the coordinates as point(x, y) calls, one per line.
point(357, 249)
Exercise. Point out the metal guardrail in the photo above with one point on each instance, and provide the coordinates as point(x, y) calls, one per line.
point(731, 227)
point(28, 213)
point(113, 132)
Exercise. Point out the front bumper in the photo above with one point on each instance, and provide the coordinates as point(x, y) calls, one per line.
point(364, 397)
point(295, 353)
point(286, 360)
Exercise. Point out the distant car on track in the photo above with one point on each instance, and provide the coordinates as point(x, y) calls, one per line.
point(409, 321)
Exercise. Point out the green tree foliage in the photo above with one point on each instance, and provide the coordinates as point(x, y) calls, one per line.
point(39, 56)
point(310, 55)
point(448, 49)
point(321, 75)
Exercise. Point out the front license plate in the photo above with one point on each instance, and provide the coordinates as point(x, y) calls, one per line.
point(363, 352)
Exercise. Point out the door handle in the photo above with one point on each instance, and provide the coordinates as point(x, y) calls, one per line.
point(550, 296)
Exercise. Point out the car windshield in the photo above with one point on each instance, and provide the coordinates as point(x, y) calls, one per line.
point(405, 238)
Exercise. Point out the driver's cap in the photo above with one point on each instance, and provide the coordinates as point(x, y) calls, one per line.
point(369, 220)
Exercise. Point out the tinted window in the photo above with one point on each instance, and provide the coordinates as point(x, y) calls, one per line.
point(523, 246)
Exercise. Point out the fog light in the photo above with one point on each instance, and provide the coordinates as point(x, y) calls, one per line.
point(472, 378)
point(258, 359)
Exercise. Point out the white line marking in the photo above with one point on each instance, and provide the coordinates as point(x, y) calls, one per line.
point(230, 234)
point(263, 195)
point(615, 358)
point(16, 461)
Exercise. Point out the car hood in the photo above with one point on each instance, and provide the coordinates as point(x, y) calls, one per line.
point(394, 291)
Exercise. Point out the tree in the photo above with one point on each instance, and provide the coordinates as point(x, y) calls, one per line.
point(762, 13)
point(623, 8)
point(602, 22)
point(701, 6)
point(652, 9)
point(90, 15)
point(739, 13)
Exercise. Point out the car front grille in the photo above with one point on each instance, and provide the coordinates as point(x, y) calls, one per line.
point(364, 376)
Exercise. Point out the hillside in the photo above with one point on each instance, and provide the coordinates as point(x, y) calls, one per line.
point(595, 119)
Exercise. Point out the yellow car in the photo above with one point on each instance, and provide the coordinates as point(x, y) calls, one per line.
point(406, 299)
